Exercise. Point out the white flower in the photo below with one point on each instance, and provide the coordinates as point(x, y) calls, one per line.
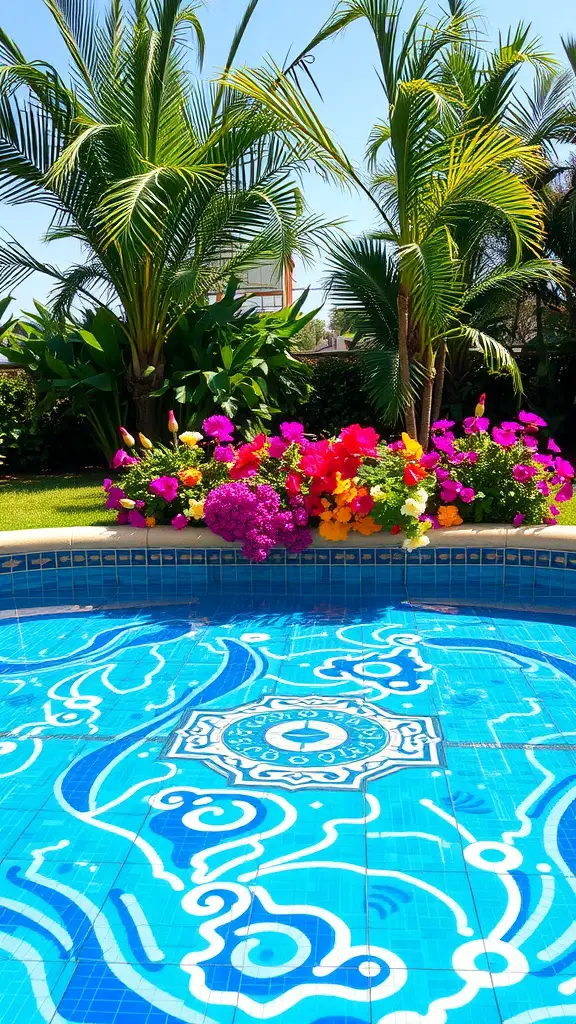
point(421, 495)
point(377, 492)
point(191, 438)
point(420, 541)
point(412, 507)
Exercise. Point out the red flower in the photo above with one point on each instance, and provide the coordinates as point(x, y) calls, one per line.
point(413, 474)
point(360, 440)
point(293, 484)
point(248, 458)
point(316, 459)
point(396, 529)
point(362, 504)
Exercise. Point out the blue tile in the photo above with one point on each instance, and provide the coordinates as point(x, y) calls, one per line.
point(558, 559)
point(367, 556)
point(543, 558)
point(138, 556)
point(108, 558)
point(183, 556)
point(383, 556)
point(473, 555)
point(213, 556)
point(512, 556)
point(527, 556)
point(78, 558)
point(168, 556)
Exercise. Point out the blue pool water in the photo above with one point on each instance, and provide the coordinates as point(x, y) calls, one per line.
point(323, 814)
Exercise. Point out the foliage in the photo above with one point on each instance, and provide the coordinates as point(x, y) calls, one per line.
point(337, 395)
point(270, 490)
point(86, 365)
point(310, 336)
point(170, 183)
point(221, 357)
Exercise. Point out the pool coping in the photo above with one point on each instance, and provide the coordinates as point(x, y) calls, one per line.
point(552, 538)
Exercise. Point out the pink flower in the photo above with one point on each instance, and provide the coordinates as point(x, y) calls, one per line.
point(522, 473)
point(531, 421)
point(277, 447)
point(449, 490)
point(430, 460)
point(472, 457)
point(519, 519)
point(224, 453)
point(444, 444)
point(467, 495)
point(505, 438)
point(293, 484)
point(566, 492)
point(543, 488)
point(359, 440)
point(107, 484)
point(550, 522)
point(218, 427)
point(114, 496)
point(555, 511)
point(122, 459)
point(362, 504)
point(180, 522)
point(164, 487)
point(543, 460)
point(433, 520)
point(442, 474)
point(564, 469)
point(122, 518)
point(135, 518)
point(511, 425)
point(531, 442)
point(476, 424)
point(172, 423)
point(396, 446)
point(442, 426)
point(553, 447)
point(292, 432)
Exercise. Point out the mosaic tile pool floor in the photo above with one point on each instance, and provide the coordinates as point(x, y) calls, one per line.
point(329, 815)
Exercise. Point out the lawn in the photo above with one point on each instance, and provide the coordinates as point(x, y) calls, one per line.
point(77, 499)
point(72, 499)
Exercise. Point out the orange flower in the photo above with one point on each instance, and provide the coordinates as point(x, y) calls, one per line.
point(413, 450)
point(448, 515)
point(343, 515)
point(190, 477)
point(150, 521)
point(334, 531)
point(366, 526)
point(327, 516)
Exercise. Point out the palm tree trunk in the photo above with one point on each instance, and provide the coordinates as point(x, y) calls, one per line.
point(403, 328)
point(427, 398)
point(146, 407)
point(439, 382)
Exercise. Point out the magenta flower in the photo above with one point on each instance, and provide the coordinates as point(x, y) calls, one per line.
point(531, 421)
point(553, 447)
point(555, 511)
point(135, 518)
point(550, 522)
point(519, 519)
point(475, 424)
point(218, 427)
point(472, 457)
point(442, 426)
point(523, 473)
point(433, 520)
point(505, 438)
point(458, 458)
point(122, 459)
point(107, 484)
point(292, 432)
point(114, 495)
point(511, 425)
point(179, 522)
point(122, 518)
point(530, 442)
point(467, 495)
point(224, 453)
point(444, 444)
point(164, 487)
point(396, 446)
point(543, 460)
point(442, 474)
point(543, 488)
point(449, 490)
point(430, 460)
point(564, 469)
point(566, 492)
point(277, 447)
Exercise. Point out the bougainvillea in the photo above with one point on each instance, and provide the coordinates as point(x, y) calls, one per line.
point(267, 491)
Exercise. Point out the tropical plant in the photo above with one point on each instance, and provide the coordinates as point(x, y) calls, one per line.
point(170, 184)
point(85, 364)
point(224, 357)
point(454, 184)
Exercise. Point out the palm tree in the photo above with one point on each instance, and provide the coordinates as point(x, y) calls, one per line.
point(454, 175)
point(170, 184)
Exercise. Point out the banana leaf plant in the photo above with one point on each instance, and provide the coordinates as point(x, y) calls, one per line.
point(85, 364)
point(229, 357)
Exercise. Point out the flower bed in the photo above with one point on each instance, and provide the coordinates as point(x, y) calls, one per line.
point(269, 491)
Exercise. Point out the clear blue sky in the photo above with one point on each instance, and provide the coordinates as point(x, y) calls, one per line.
point(344, 69)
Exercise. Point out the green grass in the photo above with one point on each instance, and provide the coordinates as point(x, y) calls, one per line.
point(71, 499)
point(568, 513)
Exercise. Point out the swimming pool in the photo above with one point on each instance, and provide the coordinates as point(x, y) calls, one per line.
point(355, 811)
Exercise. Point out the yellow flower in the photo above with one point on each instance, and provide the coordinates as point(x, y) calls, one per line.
point(448, 515)
point(145, 442)
point(334, 531)
point(420, 541)
point(191, 438)
point(412, 507)
point(150, 521)
point(366, 526)
point(413, 450)
point(342, 485)
point(190, 477)
point(195, 510)
point(343, 515)
point(127, 503)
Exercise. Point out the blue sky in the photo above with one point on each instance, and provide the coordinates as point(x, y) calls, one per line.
point(344, 69)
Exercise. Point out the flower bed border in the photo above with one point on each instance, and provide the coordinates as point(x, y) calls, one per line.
point(538, 538)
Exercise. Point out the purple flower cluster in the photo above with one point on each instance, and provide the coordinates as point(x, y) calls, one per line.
point(236, 512)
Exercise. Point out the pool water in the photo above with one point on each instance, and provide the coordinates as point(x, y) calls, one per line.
point(329, 815)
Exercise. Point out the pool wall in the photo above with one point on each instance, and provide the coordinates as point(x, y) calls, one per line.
point(533, 567)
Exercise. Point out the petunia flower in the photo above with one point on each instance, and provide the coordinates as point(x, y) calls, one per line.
point(555, 511)
point(543, 460)
point(519, 519)
point(553, 447)
point(566, 492)
point(179, 522)
point(218, 427)
point(543, 487)
point(292, 432)
point(276, 447)
point(531, 421)
point(445, 445)
point(467, 495)
point(136, 519)
point(190, 477)
point(413, 474)
point(475, 424)
point(449, 490)
point(448, 515)
point(191, 438)
point(523, 473)
point(362, 504)
point(360, 441)
point(442, 426)
point(115, 496)
point(419, 541)
point(122, 459)
point(293, 483)
point(505, 438)
point(164, 487)
point(564, 469)
point(430, 460)
point(224, 453)
point(122, 518)
point(511, 425)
